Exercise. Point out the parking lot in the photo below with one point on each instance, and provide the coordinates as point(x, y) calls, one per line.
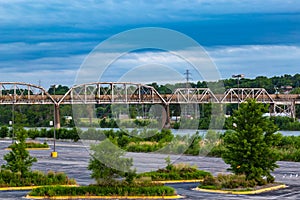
point(73, 159)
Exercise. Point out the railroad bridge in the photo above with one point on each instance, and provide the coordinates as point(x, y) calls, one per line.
point(18, 93)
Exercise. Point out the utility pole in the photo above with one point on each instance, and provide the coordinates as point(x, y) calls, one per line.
point(54, 153)
point(238, 77)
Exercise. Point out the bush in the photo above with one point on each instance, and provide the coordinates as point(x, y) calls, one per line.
point(32, 145)
point(4, 132)
point(105, 190)
point(11, 179)
point(230, 181)
point(179, 171)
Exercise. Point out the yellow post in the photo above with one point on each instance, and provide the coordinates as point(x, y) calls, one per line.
point(54, 154)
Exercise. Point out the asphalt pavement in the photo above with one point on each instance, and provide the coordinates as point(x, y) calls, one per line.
point(73, 159)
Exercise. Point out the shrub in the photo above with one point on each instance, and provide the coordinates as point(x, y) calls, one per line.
point(104, 190)
point(32, 145)
point(4, 131)
point(180, 171)
point(11, 179)
point(230, 181)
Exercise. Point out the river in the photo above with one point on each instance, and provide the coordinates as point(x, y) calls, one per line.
point(175, 131)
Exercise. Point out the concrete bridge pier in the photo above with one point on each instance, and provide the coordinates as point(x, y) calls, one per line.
point(287, 108)
point(168, 118)
point(56, 116)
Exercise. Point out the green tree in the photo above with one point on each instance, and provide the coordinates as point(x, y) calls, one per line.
point(19, 159)
point(249, 147)
point(295, 90)
point(107, 163)
point(4, 131)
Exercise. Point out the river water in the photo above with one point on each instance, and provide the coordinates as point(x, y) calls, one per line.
point(176, 131)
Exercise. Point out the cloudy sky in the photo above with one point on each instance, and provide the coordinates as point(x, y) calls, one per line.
point(48, 41)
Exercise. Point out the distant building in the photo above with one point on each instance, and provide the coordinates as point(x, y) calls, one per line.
point(68, 117)
point(286, 89)
point(175, 118)
point(123, 116)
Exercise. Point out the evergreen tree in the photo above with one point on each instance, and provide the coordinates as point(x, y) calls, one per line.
point(19, 159)
point(249, 147)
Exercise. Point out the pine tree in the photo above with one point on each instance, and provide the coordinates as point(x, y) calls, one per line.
point(19, 159)
point(249, 146)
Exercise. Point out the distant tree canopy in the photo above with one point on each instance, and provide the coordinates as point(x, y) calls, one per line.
point(295, 90)
point(59, 90)
point(270, 84)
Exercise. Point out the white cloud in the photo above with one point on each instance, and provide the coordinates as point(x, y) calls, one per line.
point(45, 77)
point(161, 66)
point(254, 60)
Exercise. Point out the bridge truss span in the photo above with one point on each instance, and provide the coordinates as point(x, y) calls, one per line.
point(192, 95)
point(239, 95)
point(112, 93)
point(23, 93)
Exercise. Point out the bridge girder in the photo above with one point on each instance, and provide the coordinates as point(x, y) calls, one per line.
point(112, 93)
point(24, 93)
point(192, 95)
point(240, 95)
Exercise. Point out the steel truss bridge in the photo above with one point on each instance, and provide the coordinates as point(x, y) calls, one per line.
point(18, 93)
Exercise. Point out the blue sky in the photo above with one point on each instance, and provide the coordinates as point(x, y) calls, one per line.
point(49, 40)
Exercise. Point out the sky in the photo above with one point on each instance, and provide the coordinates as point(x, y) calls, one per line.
point(47, 42)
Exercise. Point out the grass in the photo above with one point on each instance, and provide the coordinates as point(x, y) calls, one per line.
point(35, 178)
point(179, 171)
point(33, 145)
point(229, 182)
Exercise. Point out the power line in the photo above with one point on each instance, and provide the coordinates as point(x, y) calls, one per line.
point(187, 77)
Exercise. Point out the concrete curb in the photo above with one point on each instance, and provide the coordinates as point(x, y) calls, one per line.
point(31, 187)
point(242, 192)
point(180, 181)
point(105, 197)
point(31, 149)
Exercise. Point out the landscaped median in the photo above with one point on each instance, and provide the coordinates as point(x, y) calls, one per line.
point(236, 184)
point(105, 197)
point(175, 173)
point(119, 190)
point(244, 191)
point(33, 179)
point(31, 145)
point(29, 187)
point(179, 181)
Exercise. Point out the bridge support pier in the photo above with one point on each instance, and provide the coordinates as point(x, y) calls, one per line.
point(56, 116)
point(168, 121)
point(287, 109)
point(272, 109)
